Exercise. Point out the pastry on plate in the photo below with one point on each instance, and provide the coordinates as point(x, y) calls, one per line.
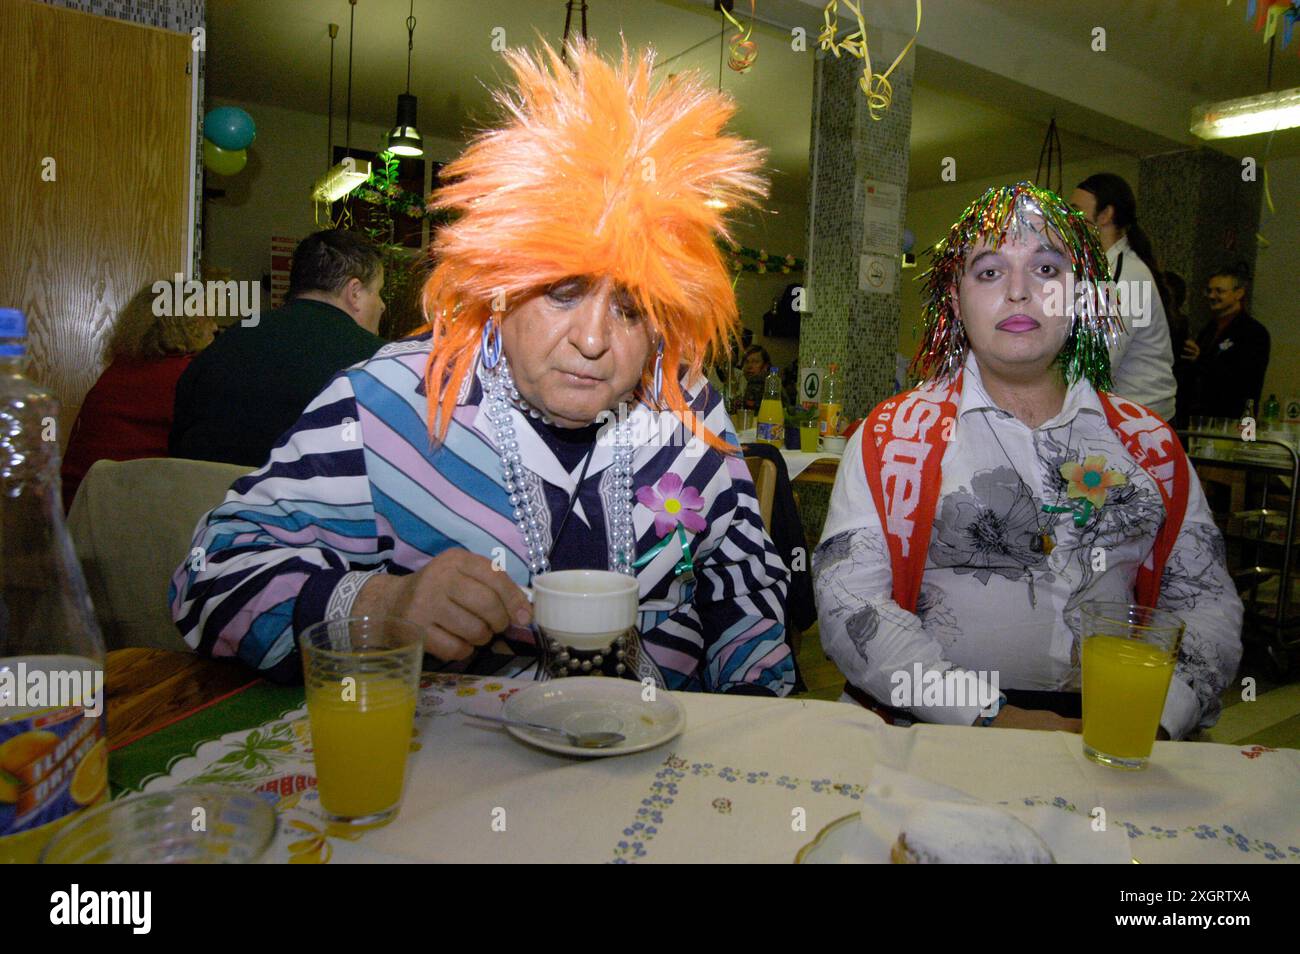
point(935, 833)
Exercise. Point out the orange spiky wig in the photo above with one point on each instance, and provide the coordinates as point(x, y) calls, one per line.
point(595, 173)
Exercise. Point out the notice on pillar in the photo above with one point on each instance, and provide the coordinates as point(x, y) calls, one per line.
point(876, 273)
point(882, 213)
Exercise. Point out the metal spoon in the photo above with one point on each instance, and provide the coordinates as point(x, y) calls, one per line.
point(582, 740)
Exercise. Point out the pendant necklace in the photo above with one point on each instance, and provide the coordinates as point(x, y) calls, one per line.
point(1044, 541)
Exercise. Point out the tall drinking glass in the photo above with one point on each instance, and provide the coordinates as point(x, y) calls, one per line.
point(1129, 654)
point(362, 676)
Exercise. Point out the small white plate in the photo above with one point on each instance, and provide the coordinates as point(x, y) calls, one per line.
point(595, 704)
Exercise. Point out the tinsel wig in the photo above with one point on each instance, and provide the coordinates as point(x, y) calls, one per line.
point(596, 172)
point(1014, 208)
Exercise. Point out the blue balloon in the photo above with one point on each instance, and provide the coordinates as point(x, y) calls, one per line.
point(908, 240)
point(229, 127)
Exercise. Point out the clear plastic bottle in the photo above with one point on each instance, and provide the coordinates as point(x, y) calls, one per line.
point(831, 406)
point(771, 413)
point(53, 752)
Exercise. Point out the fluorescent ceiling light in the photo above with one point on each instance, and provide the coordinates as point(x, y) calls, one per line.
point(341, 179)
point(1247, 116)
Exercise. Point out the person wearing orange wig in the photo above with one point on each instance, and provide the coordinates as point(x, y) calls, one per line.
point(553, 414)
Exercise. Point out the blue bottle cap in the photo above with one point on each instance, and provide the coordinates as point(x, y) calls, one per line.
point(13, 323)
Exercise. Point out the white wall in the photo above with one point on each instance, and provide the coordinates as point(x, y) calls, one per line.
point(931, 212)
point(1276, 295)
point(271, 195)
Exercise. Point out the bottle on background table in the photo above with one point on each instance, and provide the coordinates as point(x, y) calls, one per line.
point(830, 408)
point(1272, 410)
point(771, 413)
point(53, 751)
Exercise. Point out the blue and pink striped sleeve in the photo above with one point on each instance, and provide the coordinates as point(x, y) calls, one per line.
point(265, 563)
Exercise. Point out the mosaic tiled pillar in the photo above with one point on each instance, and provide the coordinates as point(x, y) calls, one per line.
point(1201, 215)
point(857, 329)
point(180, 16)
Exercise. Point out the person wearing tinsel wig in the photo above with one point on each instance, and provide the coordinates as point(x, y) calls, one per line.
point(554, 414)
point(972, 516)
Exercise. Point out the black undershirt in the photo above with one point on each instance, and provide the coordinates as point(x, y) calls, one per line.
point(580, 546)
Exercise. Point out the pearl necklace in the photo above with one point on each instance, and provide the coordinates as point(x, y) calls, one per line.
point(501, 392)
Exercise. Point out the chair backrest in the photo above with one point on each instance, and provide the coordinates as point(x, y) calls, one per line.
point(763, 473)
point(131, 524)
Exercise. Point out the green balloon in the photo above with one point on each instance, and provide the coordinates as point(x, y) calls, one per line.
point(224, 162)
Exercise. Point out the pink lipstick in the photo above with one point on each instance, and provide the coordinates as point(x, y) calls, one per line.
point(1017, 324)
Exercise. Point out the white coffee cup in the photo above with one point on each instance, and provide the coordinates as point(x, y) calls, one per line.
point(584, 609)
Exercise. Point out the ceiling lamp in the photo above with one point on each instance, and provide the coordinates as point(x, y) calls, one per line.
point(405, 139)
point(1247, 116)
point(342, 177)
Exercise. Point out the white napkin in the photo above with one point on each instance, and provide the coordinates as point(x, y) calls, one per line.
point(892, 794)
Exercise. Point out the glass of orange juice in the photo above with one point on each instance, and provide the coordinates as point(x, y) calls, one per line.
point(362, 674)
point(1128, 658)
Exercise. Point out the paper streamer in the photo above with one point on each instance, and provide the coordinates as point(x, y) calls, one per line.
point(743, 50)
point(875, 86)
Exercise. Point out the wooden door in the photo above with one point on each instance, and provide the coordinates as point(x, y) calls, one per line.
point(96, 134)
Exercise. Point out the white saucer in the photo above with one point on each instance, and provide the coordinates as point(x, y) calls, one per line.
point(595, 704)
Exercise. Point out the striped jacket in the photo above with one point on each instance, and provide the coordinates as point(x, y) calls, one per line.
point(355, 488)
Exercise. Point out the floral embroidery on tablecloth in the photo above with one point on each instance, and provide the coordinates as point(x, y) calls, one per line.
point(1255, 751)
point(1224, 833)
point(314, 847)
point(257, 755)
point(664, 790)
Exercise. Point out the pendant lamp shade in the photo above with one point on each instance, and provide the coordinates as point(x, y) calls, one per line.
point(405, 138)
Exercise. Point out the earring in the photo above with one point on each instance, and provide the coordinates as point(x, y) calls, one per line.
point(657, 393)
point(490, 348)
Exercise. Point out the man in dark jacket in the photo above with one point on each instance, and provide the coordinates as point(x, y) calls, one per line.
point(251, 385)
point(1230, 356)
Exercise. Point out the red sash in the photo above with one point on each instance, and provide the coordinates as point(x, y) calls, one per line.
point(903, 447)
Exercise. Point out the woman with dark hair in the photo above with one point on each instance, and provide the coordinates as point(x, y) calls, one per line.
point(756, 363)
point(1142, 358)
point(962, 536)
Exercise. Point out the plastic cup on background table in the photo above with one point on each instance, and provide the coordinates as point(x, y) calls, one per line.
point(809, 434)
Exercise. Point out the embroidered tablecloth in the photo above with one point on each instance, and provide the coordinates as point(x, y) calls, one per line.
point(749, 780)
